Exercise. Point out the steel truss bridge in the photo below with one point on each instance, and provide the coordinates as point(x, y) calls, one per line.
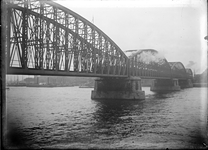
point(45, 38)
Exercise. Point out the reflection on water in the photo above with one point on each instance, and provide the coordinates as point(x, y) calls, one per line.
point(68, 118)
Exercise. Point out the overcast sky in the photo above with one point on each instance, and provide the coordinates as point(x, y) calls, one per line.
point(175, 28)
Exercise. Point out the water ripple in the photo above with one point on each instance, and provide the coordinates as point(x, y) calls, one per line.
point(68, 118)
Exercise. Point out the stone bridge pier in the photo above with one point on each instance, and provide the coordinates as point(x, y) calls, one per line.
point(165, 85)
point(118, 88)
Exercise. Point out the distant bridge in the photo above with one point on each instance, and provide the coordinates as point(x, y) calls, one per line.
point(45, 38)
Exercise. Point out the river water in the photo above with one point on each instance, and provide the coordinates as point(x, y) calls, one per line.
point(66, 117)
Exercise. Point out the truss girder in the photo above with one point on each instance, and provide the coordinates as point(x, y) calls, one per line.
point(178, 70)
point(46, 36)
point(148, 63)
point(189, 72)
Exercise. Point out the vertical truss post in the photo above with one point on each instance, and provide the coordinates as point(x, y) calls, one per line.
point(55, 40)
point(66, 42)
point(120, 64)
point(82, 55)
point(56, 48)
point(107, 65)
point(82, 51)
point(8, 32)
point(101, 49)
point(75, 46)
point(36, 43)
point(136, 65)
point(109, 58)
point(87, 50)
point(47, 43)
point(114, 60)
point(24, 35)
point(41, 47)
point(124, 66)
point(117, 63)
point(128, 67)
point(94, 51)
point(134, 68)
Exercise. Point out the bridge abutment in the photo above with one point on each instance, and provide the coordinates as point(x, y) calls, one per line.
point(165, 85)
point(113, 88)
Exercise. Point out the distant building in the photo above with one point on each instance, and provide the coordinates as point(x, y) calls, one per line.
point(62, 81)
point(201, 79)
point(204, 76)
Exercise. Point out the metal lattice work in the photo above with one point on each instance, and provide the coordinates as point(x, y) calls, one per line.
point(178, 70)
point(47, 38)
point(148, 63)
point(189, 73)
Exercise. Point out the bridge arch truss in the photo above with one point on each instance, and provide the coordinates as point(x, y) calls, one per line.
point(148, 63)
point(46, 38)
point(189, 73)
point(178, 70)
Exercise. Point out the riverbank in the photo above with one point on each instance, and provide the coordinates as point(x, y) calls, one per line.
point(200, 85)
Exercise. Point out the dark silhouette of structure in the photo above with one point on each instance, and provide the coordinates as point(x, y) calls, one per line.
point(45, 38)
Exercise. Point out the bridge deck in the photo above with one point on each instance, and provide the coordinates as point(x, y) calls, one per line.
point(45, 38)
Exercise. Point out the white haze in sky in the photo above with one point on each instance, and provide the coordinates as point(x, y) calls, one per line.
point(175, 28)
point(146, 57)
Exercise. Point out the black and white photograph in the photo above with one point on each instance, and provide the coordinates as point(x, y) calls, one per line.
point(104, 74)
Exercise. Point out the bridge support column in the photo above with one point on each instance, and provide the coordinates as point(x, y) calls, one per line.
point(185, 83)
point(165, 85)
point(112, 88)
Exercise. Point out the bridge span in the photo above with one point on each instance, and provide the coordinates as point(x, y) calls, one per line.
point(45, 38)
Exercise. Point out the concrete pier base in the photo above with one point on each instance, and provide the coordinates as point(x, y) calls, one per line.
point(122, 89)
point(165, 85)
